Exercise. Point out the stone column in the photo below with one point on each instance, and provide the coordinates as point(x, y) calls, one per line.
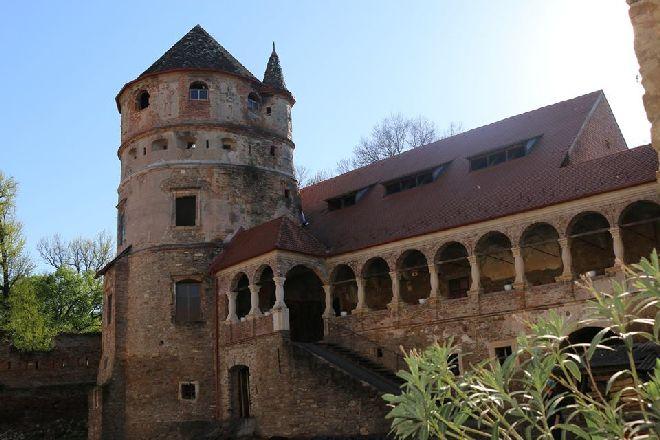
point(362, 300)
point(231, 312)
point(280, 311)
point(254, 301)
point(279, 292)
point(396, 295)
point(567, 274)
point(475, 275)
point(433, 277)
point(617, 243)
point(328, 312)
point(519, 264)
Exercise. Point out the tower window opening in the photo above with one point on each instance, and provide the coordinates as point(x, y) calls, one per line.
point(287, 194)
point(109, 309)
point(121, 228)
point(159, 144)
point(272, 150)
point(268, 111)
point(253, 102)
point(144, 151)
point(188, 390)
point(207, 143)
point(190, 145)
point(198, 91)
point(187, 301)
point(186, 211)
point(142, 100)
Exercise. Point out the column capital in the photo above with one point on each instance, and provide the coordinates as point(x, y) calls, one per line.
point(516, 251)
point(615, 231)
point(231, 294)
point(254, 288)
point(279, 280)
point(563, 241)
point(472, 258)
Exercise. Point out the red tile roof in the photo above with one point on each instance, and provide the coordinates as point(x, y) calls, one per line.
point(281, 233)
point(458, 196)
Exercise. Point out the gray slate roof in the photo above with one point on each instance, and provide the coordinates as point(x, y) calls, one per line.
point(198, 50)
point(273, 75)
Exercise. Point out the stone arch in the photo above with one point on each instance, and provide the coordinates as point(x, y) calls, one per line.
point(241, 285)
point(413, 272)
point(239, 391)
point(377, 283)
point(305, 298)
point(495, 261)
point(591, 243)
point(639, 224)
point(344, 289)
point(541, 253)
point(142, 99)
point(263, 279)
point(453, 266)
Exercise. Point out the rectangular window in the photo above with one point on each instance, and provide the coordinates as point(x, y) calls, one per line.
point(188, 390)
point(121, 228)
point(510, 152)
point(413, 181)
point(186, 211)
point(458, 287)
point(501, 353)
point(453, 364)
point(187, 302)
point(478, 163)
point(109, 309)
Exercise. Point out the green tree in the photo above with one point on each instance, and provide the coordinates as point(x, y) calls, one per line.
point(14, 263)
point(538, 392)
point(27, 324)
point(71, 301)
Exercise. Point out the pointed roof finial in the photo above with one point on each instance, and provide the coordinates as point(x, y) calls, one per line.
point(273, 75)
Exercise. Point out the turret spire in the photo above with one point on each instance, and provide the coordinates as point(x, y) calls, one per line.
point(273, 75)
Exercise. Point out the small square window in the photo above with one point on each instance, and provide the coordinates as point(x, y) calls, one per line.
point(453, 362)
point(188, 390)
point(186, 211)
point(501, 353)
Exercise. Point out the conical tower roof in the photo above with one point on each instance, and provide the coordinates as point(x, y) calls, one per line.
point(273, 75)
point(198, 50)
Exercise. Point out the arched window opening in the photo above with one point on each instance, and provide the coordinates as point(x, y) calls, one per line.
point(541, 253)
point(414, 283)
point(239, 390)
point(187, 301)
point(640, 230)
point(377, 284)
point(243, 302)
point(305, 298)
point(344, 290)
point(453, 271)
point(266, 289)
point(495, 262)
point(142, 101)
point(591, 244)
point(198, 91)
point(253, 101)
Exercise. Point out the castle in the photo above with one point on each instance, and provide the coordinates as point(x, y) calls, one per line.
point(241, 303)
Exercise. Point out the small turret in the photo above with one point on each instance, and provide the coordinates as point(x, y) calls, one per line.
point(273, 76)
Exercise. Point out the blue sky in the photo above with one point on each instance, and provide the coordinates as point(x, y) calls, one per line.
point(349, 64)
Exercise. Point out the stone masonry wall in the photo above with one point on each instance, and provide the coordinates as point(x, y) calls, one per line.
point(294, 395)
point(41, 387)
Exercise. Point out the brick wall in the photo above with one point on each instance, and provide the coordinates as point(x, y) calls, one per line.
point(38, 388)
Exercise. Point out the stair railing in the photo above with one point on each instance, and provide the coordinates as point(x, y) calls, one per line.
point(362, 345)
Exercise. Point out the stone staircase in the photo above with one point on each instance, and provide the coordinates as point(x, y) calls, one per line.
point(354, 365)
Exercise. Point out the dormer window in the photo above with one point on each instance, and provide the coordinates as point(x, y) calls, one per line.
point(346, 200)
point(142, 100)
point(496, 157)
point(198, 91)
point(414, 180)
point(253, 102)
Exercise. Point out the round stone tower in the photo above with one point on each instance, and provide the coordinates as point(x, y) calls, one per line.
point(205, 150)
